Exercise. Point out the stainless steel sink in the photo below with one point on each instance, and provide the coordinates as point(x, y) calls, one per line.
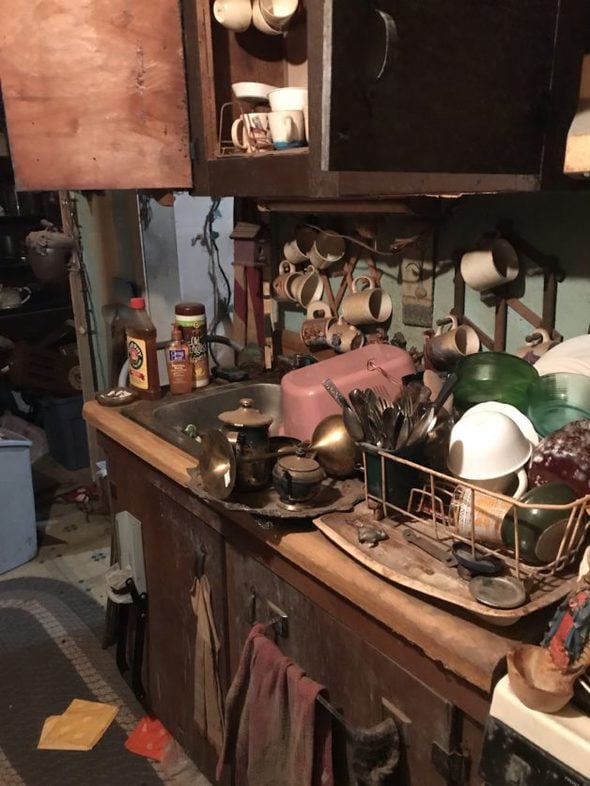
point(168, 418)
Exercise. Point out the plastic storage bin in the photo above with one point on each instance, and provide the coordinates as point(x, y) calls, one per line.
point(66, 431)
point(18, 533)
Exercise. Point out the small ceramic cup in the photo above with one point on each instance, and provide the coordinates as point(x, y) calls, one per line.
point(450, 343)
point(368, 304)
point(277, 13)
point(536, 344)
point(251, 132)
point(306, 287)
point(327, 249)
point(491, 265)
point(342, 336)
point(281, 284)
point(314, 329)
point(298, 249)
point(287, 128)
point(236, 15)
point(260, 22)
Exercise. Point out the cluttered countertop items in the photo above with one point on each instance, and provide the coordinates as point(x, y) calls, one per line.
point(467, 480)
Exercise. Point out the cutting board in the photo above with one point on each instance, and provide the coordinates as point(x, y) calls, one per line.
point(408, 566)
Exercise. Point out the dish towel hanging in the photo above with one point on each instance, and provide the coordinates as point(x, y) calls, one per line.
point(208, 699)
point(275, 732)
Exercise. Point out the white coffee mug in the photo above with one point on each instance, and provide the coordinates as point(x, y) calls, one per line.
point(236, 15)
point(251, 132)
point(366, 306)
point(260, 22)
point(298, 249)
point(490, 266)
point(278, 13)
point(287, 128)
point(288, 98)
point(306, 287)
point(327, 249)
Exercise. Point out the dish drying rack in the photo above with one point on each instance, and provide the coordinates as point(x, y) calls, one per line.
point(428, 508)
point(434, 506)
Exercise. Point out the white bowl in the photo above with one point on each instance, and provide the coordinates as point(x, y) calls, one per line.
point(571, 356)
point(487, 445)
point(523, 423)
point(256, 92)
point(285, 98)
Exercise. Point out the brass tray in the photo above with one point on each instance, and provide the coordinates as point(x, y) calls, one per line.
point(334, 495)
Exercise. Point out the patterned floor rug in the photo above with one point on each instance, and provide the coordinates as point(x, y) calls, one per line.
point(50, 653)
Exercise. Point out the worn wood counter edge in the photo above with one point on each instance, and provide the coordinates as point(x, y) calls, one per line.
point(465, 648)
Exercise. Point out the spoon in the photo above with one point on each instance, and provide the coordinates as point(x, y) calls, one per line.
point(351, 419)
point(427, 420)
point(358, 401)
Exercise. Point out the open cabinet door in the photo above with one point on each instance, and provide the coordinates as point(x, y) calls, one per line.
point(95, 94)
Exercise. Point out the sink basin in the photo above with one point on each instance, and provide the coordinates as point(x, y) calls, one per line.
point(168, 418)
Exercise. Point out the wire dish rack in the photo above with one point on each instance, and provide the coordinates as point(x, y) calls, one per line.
point(431, 505)
point(437, 504)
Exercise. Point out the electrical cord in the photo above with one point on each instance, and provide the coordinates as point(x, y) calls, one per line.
point(208, 239)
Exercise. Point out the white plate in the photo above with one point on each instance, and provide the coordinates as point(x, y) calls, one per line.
point(551, 365)
point(578, 347)
point(523, 423)
point(256, 92)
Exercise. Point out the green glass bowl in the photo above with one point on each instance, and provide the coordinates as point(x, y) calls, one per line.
point(493, 376)
point(558, 399)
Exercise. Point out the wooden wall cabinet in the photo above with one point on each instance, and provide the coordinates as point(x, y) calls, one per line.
point(440, 742)
point(432, 98)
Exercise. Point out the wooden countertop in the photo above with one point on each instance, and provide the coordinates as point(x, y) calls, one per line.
point(469, 650)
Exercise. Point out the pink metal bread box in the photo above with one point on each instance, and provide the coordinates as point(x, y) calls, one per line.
point(305, 402)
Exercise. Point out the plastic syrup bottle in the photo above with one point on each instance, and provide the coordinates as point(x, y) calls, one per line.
point(180, 367)
point(142, 352)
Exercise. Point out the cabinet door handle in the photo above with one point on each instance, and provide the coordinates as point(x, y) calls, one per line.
point(391, 41)
point(200, 562)
point(252, 606)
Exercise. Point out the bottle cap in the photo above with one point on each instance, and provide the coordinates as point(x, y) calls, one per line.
point(137, 302)
point(189, 309)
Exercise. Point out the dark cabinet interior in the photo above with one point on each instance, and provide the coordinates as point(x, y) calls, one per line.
point(450, 88)
point(181, 536)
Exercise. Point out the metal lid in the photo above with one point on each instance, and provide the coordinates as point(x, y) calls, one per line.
point(298, 463)
point(246, 416)
point(189, 309)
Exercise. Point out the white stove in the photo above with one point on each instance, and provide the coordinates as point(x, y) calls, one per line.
point(523, 747)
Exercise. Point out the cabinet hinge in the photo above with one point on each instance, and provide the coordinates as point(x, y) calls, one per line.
point(193, 149)
point(452, 765)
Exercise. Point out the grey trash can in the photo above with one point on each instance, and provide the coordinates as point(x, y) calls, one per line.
point(18, 532)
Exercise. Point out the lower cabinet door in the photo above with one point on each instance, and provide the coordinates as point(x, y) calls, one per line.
point(364, 685)
point(178, 546)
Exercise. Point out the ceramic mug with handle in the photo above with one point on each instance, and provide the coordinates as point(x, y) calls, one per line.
point(282, 282)
point(327, 249)
point(343, 337)
point(314, 329)
point(491, 265)
point(287, 128)
point(251, 132)
point(536, 344)
point(368, 304)
point(306, 287)
point(298, 249)
point(451, 342)
point(236, 15)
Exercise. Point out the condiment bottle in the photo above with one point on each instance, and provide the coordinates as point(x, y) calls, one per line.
point(178, 362)
point(142, 352)
point(191, 317)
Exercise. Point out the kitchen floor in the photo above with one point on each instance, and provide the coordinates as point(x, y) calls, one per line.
point(74, 546)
